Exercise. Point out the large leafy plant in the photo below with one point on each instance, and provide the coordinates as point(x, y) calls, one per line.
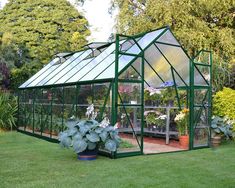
point(223, 127)
point(89, 134)
point(8, 109)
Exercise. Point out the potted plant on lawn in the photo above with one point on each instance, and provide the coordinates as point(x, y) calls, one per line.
point(86, 136)
point(182, 121)
point(221, 127)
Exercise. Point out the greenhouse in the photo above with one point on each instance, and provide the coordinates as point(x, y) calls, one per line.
point(140, 83)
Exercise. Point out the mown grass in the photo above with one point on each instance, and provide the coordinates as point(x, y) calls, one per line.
point(30, 162)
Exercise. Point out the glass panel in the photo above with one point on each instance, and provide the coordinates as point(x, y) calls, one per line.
point(130, 93)
point(28, 105)
point(84, 99)
point(133, 72)
point(95, 71)
point(57, 111)
point(201, 130)
point(100, 92)
point(159, 64)
point(149, 37)
point(143, 42)
point(104, 56)
point(151, 77)
point(38, 111)
point(200, 96)
point(129, 131)
point(39, 72)
point(203, 57)
point(70, 100)
point(44, 75)
point(127, 44)
point(73, 71)
point(68, 68)
point(205, 71)
point(167, 37)
point(108, 73)
point(178, 59)
point(46, 112)
point(61, 68)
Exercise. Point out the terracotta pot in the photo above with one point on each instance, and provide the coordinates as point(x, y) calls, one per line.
point(184, 141)
point(216, 140)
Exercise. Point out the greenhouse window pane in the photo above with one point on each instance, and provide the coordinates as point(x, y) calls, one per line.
point(159, 64)
point(44, 75)
point(68, 66)
point(168, 38)
point(73, 71)
point(178, 59)
point(99, 68)
point(39, 72)
point(61, 67)
point(108, 73)
point(104, 56)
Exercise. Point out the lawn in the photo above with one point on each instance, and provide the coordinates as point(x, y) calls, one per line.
point(30, 162)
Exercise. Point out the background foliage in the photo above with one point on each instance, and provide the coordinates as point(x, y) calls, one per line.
point(33, 31)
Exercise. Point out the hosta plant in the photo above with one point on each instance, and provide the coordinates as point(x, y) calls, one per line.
point(89, 134)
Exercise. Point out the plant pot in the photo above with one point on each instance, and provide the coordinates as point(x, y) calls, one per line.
point(88, 155)
point(215, 141)
point(184, 141)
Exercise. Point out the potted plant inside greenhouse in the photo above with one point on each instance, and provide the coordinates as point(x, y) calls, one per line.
point(221, 127)
point(88, 135)
point(151, 119)
point(182, 121)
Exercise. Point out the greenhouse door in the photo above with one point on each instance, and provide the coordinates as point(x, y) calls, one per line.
point(200, 100)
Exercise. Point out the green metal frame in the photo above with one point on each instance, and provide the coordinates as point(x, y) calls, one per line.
point(114, 83)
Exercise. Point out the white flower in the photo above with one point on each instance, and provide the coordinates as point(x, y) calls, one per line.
point(116, 126)
point(123, 115)
point(105, 122)
point(162, 117)
point(90, 110)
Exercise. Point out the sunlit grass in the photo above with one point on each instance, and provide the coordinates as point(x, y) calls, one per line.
point(30, 162)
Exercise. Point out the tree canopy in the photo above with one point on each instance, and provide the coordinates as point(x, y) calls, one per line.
point(44, 27)
point(197, 24)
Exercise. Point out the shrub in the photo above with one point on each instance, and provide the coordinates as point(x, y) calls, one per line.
point(224, 104)
point(8, 109)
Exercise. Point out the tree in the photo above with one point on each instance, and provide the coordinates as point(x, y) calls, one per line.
point(44, 27)
point(197, 24)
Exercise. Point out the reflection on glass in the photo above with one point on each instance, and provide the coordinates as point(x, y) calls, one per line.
point(60, 68)
point(39, 72)
point(70, 67)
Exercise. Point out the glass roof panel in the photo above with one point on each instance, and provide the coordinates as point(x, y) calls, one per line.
point(143, 43)
point(89, 66)
point(178, 59)
point(60, 68)
point(45, 74)
point(67, 66)
point(99, 68)
point(107, 73)
point(159, 65)
point(167, 37)
point(25, 84)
